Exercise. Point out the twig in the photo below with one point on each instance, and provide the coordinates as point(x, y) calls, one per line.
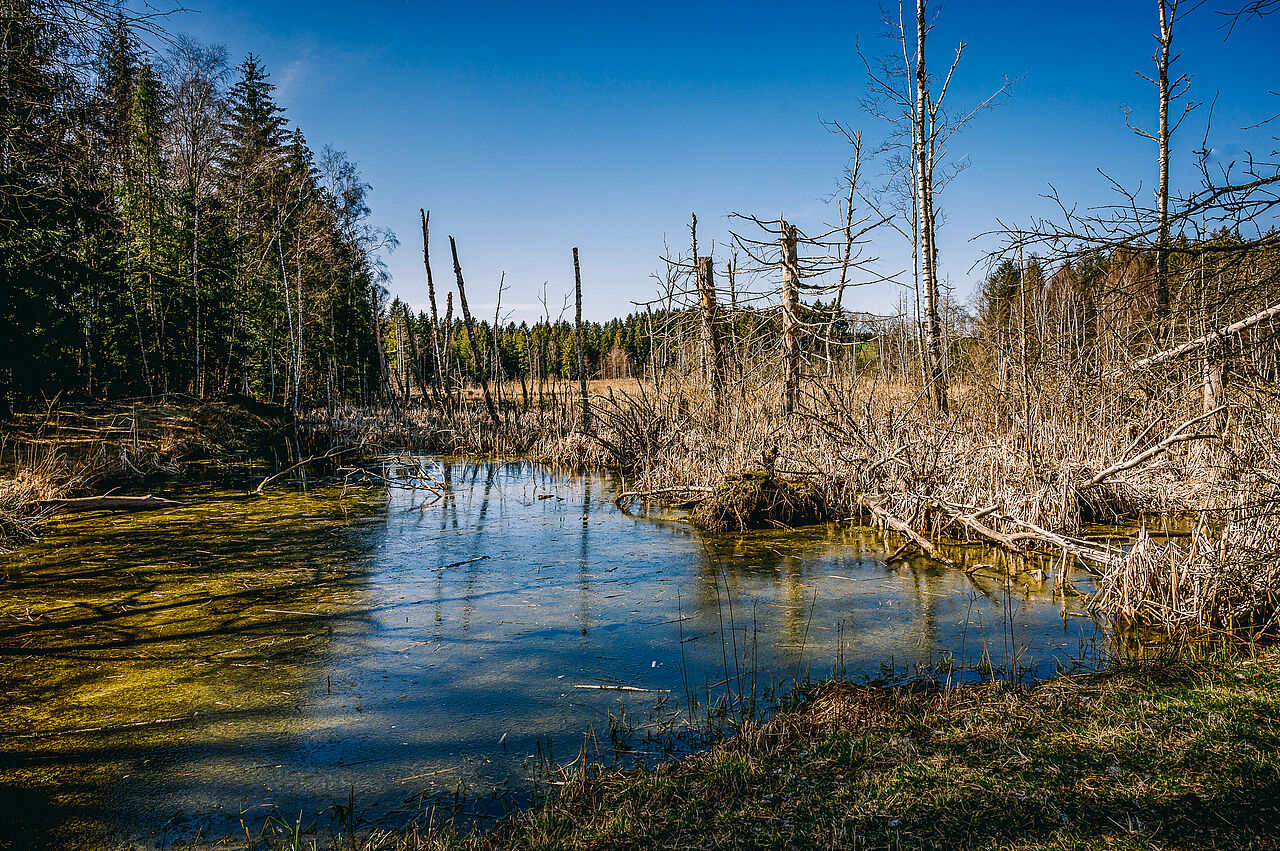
point(280, 475)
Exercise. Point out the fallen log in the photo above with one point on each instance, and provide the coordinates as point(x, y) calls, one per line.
point(109, 502)
point(1082, 550)
point(879, 512)
point(972, 523)
point(1202, 342)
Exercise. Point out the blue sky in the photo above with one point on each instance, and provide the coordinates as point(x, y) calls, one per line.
point(528, 129)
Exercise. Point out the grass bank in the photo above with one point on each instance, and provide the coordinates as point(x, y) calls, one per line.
point(1176, 755)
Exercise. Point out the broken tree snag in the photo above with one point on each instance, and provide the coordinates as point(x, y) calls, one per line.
point(713, 346)
point(1215, 387)
point(582, 355)
point(79, 505)
point(790, 317)
point(437, 386)
point(451, 377)
point(471, 335)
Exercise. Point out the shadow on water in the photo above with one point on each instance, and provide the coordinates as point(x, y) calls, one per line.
point(185, 673)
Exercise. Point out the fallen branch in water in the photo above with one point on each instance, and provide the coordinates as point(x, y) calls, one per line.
point(622, 688)
point(460, 563)
point(81, 504)
point(270, 480)
point(1084, 552)
point(661, 491)
point(879, 512)
point(109, 728)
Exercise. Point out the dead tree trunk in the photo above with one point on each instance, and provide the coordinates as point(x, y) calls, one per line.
point(437, 378)
point(582, 355)
point(1201, 342)
point(528, 366)
point(1168, 10)
point(713, 345)
point(928, 257)
point(471, 335)
point(414, 361)
point(450, 375)
point(790, 317)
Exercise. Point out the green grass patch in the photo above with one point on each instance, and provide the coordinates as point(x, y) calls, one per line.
point(1182, 755)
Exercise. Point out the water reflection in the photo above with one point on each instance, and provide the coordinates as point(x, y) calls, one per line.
point(179, 673)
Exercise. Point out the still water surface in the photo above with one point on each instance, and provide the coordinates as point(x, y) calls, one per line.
point(172, 675)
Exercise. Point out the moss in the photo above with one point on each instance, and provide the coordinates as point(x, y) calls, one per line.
point(760, 500)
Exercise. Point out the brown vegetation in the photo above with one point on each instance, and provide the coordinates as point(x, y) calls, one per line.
point(54, 460)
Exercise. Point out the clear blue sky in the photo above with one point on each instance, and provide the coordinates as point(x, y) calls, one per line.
point(529, 129)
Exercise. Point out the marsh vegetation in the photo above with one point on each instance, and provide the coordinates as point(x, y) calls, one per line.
point(276, 542)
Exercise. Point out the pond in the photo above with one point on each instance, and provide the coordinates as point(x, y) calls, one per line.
point(199, 671)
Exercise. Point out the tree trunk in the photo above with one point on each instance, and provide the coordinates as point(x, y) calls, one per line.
point(582, 355)
point(928, 258)
point(790, 317)
point(437, 377)
point(471, 335)
point(713, 346)
point(1168, 8)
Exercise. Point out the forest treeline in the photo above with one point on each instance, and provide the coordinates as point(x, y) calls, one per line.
point(164, 229)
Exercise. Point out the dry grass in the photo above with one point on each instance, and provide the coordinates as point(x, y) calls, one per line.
point(1215, 582)
point(35, 475)
point(65, 452)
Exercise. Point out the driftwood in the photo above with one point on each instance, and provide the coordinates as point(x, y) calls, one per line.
point(108, 502)
point(879, 512)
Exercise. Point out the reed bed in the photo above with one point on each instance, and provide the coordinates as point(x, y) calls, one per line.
point(1026, 468)
point(65, 452)
point(1028, 471)
point(1216, 581)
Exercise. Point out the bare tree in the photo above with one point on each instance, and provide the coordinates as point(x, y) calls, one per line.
point(1169, 89)
point(903, 93)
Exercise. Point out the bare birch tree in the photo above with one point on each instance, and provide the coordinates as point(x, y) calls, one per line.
point(903, 93)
